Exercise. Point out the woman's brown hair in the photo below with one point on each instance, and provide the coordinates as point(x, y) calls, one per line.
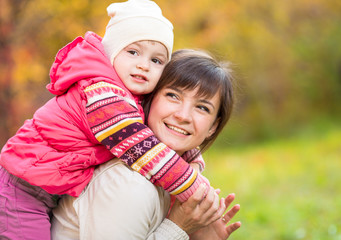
point(194, 69)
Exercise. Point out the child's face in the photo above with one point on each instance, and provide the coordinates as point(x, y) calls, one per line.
point(140, 64)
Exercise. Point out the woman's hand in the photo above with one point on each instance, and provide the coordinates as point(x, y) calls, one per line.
point(218, 229)
point(198, 211)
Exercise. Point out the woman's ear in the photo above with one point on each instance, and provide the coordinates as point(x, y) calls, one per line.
point(213, 128)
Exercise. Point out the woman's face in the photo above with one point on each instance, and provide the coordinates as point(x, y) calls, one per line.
point(182, 120)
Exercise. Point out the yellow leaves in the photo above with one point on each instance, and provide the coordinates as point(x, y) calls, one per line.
point(27, 68)
point(284, 48)
point(5, 10)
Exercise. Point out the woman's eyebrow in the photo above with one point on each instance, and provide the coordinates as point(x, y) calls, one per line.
point(200, 100)
point(207, 102)
point(175, 89)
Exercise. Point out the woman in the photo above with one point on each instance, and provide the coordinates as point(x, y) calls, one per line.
point(189, 107)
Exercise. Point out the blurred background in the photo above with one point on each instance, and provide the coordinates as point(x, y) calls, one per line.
point(281, 151)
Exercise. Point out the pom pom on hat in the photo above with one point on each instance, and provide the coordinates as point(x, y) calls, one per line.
point(136, 20)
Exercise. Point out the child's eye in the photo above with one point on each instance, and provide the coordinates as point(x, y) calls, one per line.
point(157, 61)
point(132, 52)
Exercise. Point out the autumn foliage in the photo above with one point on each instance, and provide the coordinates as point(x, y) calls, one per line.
point(286, 55)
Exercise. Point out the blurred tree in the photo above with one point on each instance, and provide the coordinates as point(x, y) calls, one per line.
point(31, 34)
point(9, 16)
point(286, 55)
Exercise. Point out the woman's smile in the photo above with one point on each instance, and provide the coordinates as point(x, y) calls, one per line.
point(176, 129)
point(181, 119)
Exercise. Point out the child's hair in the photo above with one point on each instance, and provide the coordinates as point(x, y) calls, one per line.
point(191, 69)
point(136, 20)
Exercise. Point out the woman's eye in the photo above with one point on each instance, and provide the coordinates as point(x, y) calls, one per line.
point(171, 95)
point(204, 108)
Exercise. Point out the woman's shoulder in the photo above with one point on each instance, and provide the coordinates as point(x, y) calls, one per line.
point(114, 179)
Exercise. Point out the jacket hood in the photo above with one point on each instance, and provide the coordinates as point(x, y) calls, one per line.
point(83, 58)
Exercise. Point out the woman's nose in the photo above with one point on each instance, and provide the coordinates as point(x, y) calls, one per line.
point(183, 114)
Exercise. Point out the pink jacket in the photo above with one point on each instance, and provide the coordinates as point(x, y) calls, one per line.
point(58, 134)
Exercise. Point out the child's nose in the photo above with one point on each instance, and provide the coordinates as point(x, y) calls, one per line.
point(144, 65)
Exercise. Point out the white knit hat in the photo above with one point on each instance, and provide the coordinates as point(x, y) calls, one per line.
point(136, 20)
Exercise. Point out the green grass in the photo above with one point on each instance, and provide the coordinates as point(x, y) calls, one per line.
point(288, 189)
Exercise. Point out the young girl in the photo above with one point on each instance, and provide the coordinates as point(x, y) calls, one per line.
point(95, 116)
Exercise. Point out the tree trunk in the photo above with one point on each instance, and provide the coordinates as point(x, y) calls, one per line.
point(9, 12)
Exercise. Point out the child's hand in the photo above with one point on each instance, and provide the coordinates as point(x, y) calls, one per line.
point(198, 211)
point(220, 229)
point(196, 166)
